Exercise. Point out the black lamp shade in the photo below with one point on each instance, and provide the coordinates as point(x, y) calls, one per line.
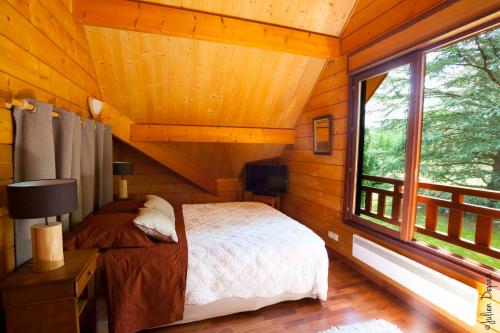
point(41, 198)
point(123, 168)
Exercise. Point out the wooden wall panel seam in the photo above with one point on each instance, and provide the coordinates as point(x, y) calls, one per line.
point(331, 82)
point(292, 151)
point(357, 9)
point(318, 105)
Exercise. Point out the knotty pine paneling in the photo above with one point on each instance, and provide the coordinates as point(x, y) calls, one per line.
point(379, 17)
point(44, 55)
point(150, 177)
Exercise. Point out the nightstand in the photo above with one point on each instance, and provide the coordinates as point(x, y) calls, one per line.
point(62, 300)
point(131, 196)
point(271, 200)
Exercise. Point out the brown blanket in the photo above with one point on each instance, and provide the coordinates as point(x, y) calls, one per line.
point(146, 286)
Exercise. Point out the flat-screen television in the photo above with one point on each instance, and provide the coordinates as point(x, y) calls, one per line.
point(267, 178)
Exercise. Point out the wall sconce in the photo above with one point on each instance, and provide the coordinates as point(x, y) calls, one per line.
point(95, 107)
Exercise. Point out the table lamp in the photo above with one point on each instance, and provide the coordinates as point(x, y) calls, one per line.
point(123, 169)
point(42, 199)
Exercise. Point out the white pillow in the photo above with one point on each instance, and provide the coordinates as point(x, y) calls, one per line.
point(156, 225)
point(160, 204)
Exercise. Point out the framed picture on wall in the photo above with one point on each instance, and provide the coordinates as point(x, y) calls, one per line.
point(322, 135)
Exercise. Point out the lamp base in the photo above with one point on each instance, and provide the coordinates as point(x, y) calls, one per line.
point(47, 246)
point(122, 189)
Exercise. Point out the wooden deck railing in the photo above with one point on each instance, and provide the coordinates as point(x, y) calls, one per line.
point(457, 207)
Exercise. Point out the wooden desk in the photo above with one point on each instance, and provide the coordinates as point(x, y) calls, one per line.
point(271, 200)
point(62, 300)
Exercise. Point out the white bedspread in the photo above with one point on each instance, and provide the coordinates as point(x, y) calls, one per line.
point(248, 249)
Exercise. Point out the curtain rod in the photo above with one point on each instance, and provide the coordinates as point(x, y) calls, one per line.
point(22, 104)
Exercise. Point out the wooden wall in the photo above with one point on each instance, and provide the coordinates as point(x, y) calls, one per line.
point(44, 55)
point(371, 19)
point(317, 182)
point(409, 23)
point(150, 177)
point(7, 261)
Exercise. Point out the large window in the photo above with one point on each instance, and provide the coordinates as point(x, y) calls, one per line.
point(425, 164)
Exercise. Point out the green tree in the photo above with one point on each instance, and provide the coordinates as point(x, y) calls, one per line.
point(385, 130)
point(461, 128)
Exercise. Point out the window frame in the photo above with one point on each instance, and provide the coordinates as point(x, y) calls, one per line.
point(412, 152)
point(404, 237)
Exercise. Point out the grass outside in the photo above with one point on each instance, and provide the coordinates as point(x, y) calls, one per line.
point(468, 232)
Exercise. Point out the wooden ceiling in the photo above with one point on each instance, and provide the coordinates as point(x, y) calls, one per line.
point(322, 16)
point(162, 79)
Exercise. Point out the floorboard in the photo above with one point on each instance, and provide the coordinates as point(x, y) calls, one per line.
point(352, 298)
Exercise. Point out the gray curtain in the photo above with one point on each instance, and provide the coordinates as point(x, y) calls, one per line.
point(107, 167)
point(67, 143)
point(99, 163)
point(34, 158)
point(87, 164)
point(76, 216)
point(63, 145)
point(103, 165)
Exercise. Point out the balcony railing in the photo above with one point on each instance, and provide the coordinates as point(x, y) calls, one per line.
point(456, 205)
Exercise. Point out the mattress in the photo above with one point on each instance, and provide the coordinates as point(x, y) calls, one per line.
point(250, 251)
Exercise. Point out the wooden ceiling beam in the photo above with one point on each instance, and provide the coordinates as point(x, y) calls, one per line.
point(161, 19)
point(158, 151)
point(192, 133)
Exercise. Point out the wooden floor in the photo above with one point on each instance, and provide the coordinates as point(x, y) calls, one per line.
point(352, 298)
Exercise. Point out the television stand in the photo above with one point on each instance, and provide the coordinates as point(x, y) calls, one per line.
point(270, 199)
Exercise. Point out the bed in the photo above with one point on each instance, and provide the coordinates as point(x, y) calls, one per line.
point(247, 255)
point(241, 256)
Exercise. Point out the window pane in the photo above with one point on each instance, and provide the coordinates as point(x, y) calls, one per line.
point(382, 145)
point(461, 136)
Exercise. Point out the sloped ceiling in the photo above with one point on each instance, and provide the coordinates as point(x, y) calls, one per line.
point(163, 79)
point(155, 78)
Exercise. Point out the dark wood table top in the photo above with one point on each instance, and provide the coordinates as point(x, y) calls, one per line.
point(74, 264)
